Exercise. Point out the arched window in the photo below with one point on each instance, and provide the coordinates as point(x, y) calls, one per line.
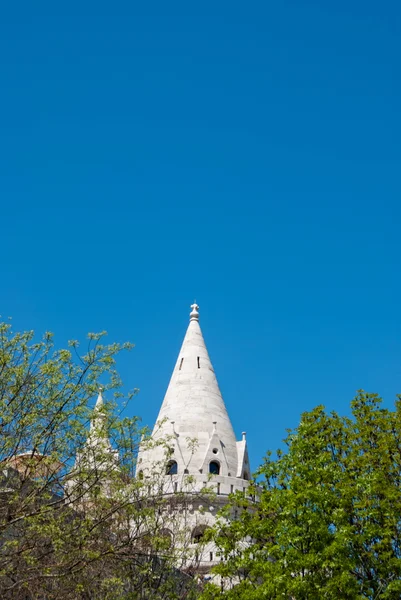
point(214, 467)
point(246, 475)
point(197, 533)
point(172, 468)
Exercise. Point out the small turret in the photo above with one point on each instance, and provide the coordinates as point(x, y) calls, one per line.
point(98, 451)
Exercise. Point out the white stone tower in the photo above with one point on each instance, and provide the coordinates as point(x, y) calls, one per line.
point(200, 441)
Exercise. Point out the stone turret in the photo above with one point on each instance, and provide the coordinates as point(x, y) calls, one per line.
point(98, 452)
point(193, 447)
point(193, 420)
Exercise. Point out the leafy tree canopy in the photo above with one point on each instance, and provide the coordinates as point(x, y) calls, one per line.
point(75, 524)
point(327, 523)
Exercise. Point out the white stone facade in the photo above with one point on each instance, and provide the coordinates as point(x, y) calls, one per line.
point(200, 449)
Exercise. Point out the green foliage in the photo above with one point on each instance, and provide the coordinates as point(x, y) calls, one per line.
point(327, 523)
point(74, 522)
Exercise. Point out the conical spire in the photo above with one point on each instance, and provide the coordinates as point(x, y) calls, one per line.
point(98, 426)
point(193, 401)
point(99, 401)
point(97, 450)
point(98, 415)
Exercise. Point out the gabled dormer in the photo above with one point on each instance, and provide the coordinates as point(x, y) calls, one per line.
point(215, 460)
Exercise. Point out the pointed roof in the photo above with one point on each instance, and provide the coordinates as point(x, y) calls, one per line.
point(99, 401)
point(97, 450)
point(193, 406)
point(98, 415)
point(97, 432)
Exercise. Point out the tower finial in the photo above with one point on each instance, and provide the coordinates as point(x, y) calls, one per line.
point(194, 315)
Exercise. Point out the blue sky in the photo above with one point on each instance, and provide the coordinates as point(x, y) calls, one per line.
point(243, 154)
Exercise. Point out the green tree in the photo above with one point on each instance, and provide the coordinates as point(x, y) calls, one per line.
point(74, 521)
point(327, 521)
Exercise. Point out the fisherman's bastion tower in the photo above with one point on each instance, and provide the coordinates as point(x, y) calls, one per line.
point(200, 450)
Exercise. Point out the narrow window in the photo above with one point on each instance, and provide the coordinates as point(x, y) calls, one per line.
point(198, 362)
point(182, 360)
point(172, 468)
point(218, 488)
point(232, 489)
point(198, 533)
point(214, 468)
point(175, 486)
point(211, 556)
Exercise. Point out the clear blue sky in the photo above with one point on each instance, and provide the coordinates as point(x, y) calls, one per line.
point(243, 154)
